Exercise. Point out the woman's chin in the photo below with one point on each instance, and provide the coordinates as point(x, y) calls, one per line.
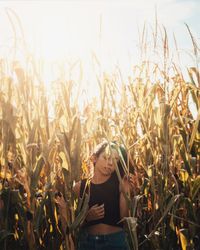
point(107, 172)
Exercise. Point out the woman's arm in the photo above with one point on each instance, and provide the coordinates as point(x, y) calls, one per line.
point(124, 190)
point(129, 186)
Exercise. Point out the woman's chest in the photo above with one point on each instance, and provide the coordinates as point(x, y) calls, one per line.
point(104, 194)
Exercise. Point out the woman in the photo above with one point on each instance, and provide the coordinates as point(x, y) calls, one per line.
point(107, 205)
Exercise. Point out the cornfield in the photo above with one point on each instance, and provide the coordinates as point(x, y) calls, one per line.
point(150, 112)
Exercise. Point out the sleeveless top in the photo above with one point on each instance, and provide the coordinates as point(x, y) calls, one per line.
point(106, 193)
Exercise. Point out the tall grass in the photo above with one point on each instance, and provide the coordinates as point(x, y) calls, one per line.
point(149, 113)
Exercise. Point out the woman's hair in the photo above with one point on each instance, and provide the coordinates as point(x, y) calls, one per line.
point(100, 148)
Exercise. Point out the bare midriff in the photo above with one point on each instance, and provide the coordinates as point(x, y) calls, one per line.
point(103, 229)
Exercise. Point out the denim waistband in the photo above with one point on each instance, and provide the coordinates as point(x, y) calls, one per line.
point(105, 237)
point(116, 240)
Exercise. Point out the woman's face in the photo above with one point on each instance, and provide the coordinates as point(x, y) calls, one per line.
point(105, 163)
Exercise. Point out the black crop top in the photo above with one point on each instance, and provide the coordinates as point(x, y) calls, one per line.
point(106, 193)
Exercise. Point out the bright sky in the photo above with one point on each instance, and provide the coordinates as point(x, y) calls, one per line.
point(71, 30)
point(56, 29)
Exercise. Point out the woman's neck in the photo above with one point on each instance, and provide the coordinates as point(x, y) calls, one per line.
point(99, 178)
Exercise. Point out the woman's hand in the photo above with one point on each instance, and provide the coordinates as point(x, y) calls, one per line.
point(96, 212)
point(130, 184)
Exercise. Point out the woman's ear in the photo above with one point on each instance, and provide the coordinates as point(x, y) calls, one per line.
point(93, 158)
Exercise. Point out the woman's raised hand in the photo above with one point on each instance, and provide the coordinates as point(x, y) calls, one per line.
point(130, 184)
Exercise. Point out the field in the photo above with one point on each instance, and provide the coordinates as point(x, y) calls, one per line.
point(150, 112)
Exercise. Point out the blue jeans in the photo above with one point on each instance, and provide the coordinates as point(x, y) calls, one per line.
point(113, 241)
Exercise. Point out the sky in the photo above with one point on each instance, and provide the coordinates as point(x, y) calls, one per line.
point(56, 29)
point(76, 30)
